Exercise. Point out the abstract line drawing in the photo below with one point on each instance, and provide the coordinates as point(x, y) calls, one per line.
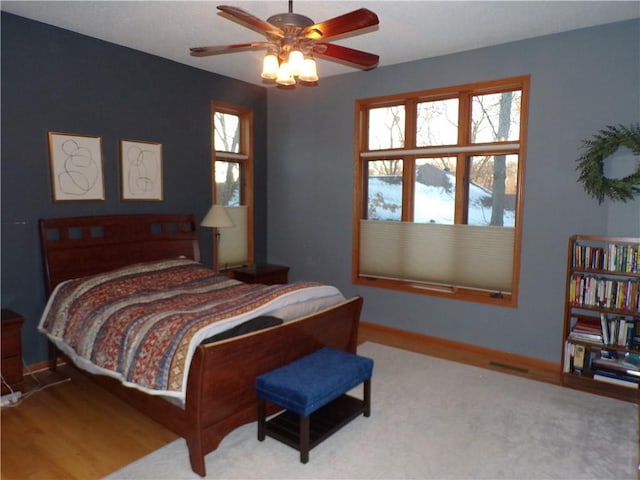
point(76, 167)
point(141, 169)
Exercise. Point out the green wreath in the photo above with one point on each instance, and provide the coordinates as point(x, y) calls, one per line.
point(602, 145)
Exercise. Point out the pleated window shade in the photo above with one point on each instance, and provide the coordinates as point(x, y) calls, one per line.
point(233, 246)
point(448, 255)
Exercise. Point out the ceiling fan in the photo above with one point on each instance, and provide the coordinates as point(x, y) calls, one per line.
point(293, 40)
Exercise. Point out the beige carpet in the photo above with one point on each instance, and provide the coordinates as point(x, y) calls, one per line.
point(436, 419)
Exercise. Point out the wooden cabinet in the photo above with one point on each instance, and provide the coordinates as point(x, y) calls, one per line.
point(11, 352)
point(267, 274)
point(601, 333)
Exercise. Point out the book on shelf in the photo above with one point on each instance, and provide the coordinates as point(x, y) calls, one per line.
point(604, 328)
point(616, 379)
point(631, 360)
point(586, 337)
point(566, 365)
point(587, 329)
point(614, 257)
point(578, 357)
point(623, 258)
point(593, 290)
point(615, 366)
point(618, 368)
point(626, 328)
point(614, 326)
point(616, 331)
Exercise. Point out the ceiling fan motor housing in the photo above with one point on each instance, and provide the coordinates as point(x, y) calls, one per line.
point(290, 20)
point(292, 24)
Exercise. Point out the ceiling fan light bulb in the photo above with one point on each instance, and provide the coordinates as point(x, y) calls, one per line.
point(308, 72)
point(284, 75)
point(270, 66)
point(296, 60)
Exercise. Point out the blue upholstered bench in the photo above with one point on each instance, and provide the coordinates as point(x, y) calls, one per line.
point(313, 392)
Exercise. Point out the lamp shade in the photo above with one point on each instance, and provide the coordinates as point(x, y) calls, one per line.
point(284, 75)
point(217, 217)
point(295, 62)
point(309, 72)
point(270, 66)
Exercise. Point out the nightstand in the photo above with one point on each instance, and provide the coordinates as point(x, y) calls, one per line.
point(267, 274)
point(11, 351)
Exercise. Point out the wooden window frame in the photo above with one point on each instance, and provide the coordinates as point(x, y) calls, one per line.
point(244, 158)
point(464, 150)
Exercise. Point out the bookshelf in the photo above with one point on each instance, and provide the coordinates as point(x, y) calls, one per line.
point(601, 333)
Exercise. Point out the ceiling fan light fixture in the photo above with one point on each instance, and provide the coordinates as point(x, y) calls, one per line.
point(309, 71)
point(291, 40)
point(270, 66)
point(284, 75)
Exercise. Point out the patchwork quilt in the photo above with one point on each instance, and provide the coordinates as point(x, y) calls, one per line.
point(142, 323)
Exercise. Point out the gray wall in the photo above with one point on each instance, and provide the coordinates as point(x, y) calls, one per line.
point(56, 80)
point(581, 81)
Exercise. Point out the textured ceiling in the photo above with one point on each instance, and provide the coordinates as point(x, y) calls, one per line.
point(407, 31)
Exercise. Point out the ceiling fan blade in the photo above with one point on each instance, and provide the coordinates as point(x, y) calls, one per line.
point(251, 21)
point(346, 55)
point(349, 22)
point(217, 50)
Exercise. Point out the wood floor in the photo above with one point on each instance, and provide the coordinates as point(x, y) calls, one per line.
point(76, 430)
point(73, 430)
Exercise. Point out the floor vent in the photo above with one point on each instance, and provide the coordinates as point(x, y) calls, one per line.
point(508, 367)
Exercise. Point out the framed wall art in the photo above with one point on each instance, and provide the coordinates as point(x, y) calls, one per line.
point(76, 167)
point(141, 170)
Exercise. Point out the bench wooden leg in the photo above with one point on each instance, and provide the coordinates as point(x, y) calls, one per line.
point(304, 438)
point(261, 419)
point(367, 397)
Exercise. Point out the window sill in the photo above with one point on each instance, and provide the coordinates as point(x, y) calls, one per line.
point(502, 299)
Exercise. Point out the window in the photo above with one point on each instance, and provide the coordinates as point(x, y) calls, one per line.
point(232, 167)
point(438, 191)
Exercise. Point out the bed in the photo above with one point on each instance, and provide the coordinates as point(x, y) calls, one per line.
point(218, 392)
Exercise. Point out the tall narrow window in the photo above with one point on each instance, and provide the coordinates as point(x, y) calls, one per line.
point(232, 181)
point(438, 193)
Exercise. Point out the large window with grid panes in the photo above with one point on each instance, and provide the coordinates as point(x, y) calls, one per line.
point(438, 190)
point(232, 181)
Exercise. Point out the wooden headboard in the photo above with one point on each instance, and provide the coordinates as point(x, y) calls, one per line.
point(79, 246)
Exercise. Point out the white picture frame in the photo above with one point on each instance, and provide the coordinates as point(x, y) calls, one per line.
point(141, 170)
point(76, 167)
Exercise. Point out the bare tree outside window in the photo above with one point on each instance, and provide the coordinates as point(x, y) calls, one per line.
point(227, 173)
point(227, 183)
point(226, 132)
point(387, 130)
point(437, 122)
point(490, 190)
point(493, 121)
